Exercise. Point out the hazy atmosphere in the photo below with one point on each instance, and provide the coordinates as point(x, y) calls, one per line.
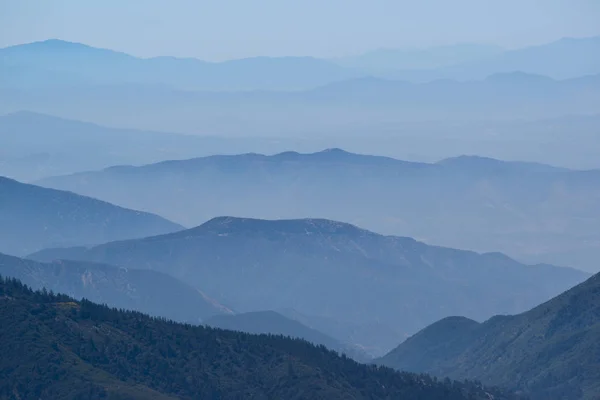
point(222, 30)
point(300, 200)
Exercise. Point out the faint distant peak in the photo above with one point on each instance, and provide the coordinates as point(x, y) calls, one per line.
point(583, 40)
point(483, 163)
point(518, 77)
point(335, 152)
point(56, 44)
point(51, 45)
point(62, 47)
point(24, 114)
point(36, 120)
point(444, 47)
point(470, 159)
point(364, 82)
point(33, 115)
point(288, 155)
point(331, 152)
point(267, 58)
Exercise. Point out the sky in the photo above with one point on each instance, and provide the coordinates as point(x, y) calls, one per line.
point(225, 29)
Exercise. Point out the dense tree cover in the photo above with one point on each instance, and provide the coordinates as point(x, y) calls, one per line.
point(56, 348)
point(271, 322)
point(549, 352)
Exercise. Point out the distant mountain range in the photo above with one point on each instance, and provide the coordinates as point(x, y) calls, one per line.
point(294, 96)
point(271, 322)
point(361, 104)
point(76, 63)
point(550, 352)
point(77, 350)
point(67, 63)
point(150, 292)
point(33, 218)
point(335, 270)
point(34, 146)
point(534, 212)
point(562, 59)
point(389, 60)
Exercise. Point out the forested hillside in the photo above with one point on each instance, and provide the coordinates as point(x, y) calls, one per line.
point(55, 347)
point(550, 352)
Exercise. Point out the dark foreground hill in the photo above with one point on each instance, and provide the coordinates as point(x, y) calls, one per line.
point(338, 271)
point(150, 292)
point(271, 322)
point(550, 352)
point(33, 218)
point(56, 348)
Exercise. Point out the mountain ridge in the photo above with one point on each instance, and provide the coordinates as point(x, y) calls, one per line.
point(241, 74)
point(25, 135)
point(548, 351)
point(118, 287)
point(334, 270)
point(534, 212)
point(33, 217)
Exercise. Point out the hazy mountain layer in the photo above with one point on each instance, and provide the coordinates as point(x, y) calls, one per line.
point(75, 63)
point(562, 59)
point(363, 105)
point(536, 213)
point(423, 60)
point(335, 270)
point(34, 146)
point(550, 352)
point(33, 218)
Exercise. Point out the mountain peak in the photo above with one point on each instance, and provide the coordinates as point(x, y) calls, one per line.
point(334, 153)
point(59, 48)
point(334, 150)
point(51, 44)
point(470, 159)
point(228, 224)
point(329, 152)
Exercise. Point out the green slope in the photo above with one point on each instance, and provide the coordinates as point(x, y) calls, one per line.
point(271, 322)
point(55, 348)
point(550, 352)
